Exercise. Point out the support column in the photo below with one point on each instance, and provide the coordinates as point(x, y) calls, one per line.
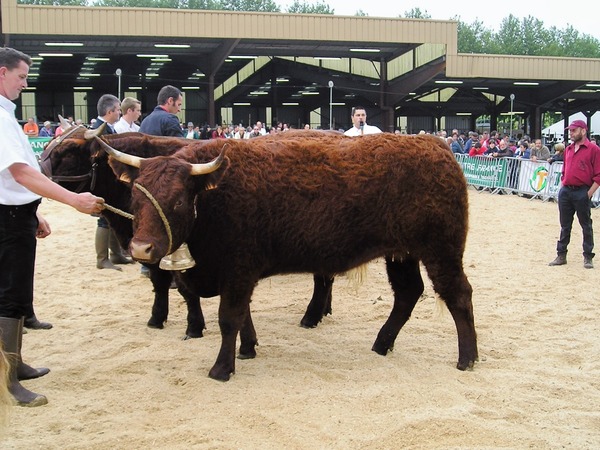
point(211, 101)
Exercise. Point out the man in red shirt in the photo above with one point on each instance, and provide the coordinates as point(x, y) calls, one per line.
point(580, 179)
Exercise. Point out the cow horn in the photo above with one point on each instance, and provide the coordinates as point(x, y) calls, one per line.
point(91, 134)
point(64, 123)
point(203, 169)
point(130, 160)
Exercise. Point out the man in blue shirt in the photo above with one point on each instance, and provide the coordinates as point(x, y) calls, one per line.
point(163, 121)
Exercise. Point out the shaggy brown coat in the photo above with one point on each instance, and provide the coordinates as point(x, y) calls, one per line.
point(79, 164)
point(323, 205)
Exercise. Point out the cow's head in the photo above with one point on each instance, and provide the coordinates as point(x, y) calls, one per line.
point(164, 195)
point(66, 159)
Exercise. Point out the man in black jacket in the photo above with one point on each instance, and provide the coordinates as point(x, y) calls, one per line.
point(163, 121)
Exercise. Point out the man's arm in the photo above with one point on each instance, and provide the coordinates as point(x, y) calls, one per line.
point(37, 183)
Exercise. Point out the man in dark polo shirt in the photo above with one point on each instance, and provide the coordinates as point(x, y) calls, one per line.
point(163, 121)
point(580, 179)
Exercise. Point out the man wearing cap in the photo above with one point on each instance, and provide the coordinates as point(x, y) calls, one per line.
point(580, 179)
point(46, 130)
point(191, 132)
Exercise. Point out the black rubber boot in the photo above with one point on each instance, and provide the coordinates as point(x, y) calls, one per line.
point(10, 335)
point(35, 324)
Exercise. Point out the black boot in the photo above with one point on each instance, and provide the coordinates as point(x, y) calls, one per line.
point(117, 254)
point(560, 260)
point(25, 371)
point(10, 335)
point(33, 323)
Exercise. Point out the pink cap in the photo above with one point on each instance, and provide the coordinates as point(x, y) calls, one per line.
point(577, 124)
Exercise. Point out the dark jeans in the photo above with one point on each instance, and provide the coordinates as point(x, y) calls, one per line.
point(571, 201)
point(18, 227)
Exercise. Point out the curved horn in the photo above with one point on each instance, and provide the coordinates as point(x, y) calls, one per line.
point(64, 123)
point(203, 169)
point(90, 134)
point(130, 160)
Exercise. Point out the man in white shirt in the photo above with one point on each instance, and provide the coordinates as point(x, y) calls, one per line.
point(261, 129)
point(359, 122)
point(22, 186)
point(131, 110)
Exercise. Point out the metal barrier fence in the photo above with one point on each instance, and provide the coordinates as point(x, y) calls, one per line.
point(535, 179)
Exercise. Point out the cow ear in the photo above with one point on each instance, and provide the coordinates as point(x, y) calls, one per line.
point(212, 180)
point(124, 173)
point(124, 178)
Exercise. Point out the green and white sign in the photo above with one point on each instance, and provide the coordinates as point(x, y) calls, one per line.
point(37, 144)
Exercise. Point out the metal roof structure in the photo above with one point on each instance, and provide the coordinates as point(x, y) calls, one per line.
point(251, 61)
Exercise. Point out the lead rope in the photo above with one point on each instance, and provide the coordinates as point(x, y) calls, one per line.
point(160, 213)
point(118, 211)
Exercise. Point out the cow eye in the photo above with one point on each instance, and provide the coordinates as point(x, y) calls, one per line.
point(178, 203)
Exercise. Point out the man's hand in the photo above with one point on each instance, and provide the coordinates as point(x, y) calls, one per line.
point(88, 203)
point(43, 228)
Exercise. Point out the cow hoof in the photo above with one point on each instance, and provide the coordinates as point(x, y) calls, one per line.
point(382, 349)
point(247, 355)
point(465, 365)
point(218, 375)
point(307, 323)
point(158, 326)
point(193, 334)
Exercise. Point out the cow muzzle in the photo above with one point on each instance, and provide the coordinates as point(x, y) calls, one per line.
point(143, 252)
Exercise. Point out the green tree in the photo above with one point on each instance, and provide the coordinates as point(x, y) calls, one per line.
point(526, 36)
point(416, 13)
point(515, 36)
point(472, 38)
point(250, 5)
point(54, 2)
point(569, 42)
point(221, 5)
point(175, 4)
point(299, 7)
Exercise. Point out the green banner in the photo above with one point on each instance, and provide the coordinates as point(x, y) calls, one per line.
point(488, 172)
point(37, 144)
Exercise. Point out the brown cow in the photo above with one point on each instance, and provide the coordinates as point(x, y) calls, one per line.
point(322, 205)
point(77, 162)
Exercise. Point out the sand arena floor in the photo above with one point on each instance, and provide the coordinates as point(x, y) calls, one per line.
point(117, 384)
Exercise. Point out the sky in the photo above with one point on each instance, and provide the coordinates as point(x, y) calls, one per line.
point(585, 17)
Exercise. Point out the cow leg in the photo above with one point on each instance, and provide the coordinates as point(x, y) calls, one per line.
point(161, 281)
point(450, 282)
point(248, 340)
point(233, 311)
point(407, 284)
point(195, 318)
point(320, 303)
